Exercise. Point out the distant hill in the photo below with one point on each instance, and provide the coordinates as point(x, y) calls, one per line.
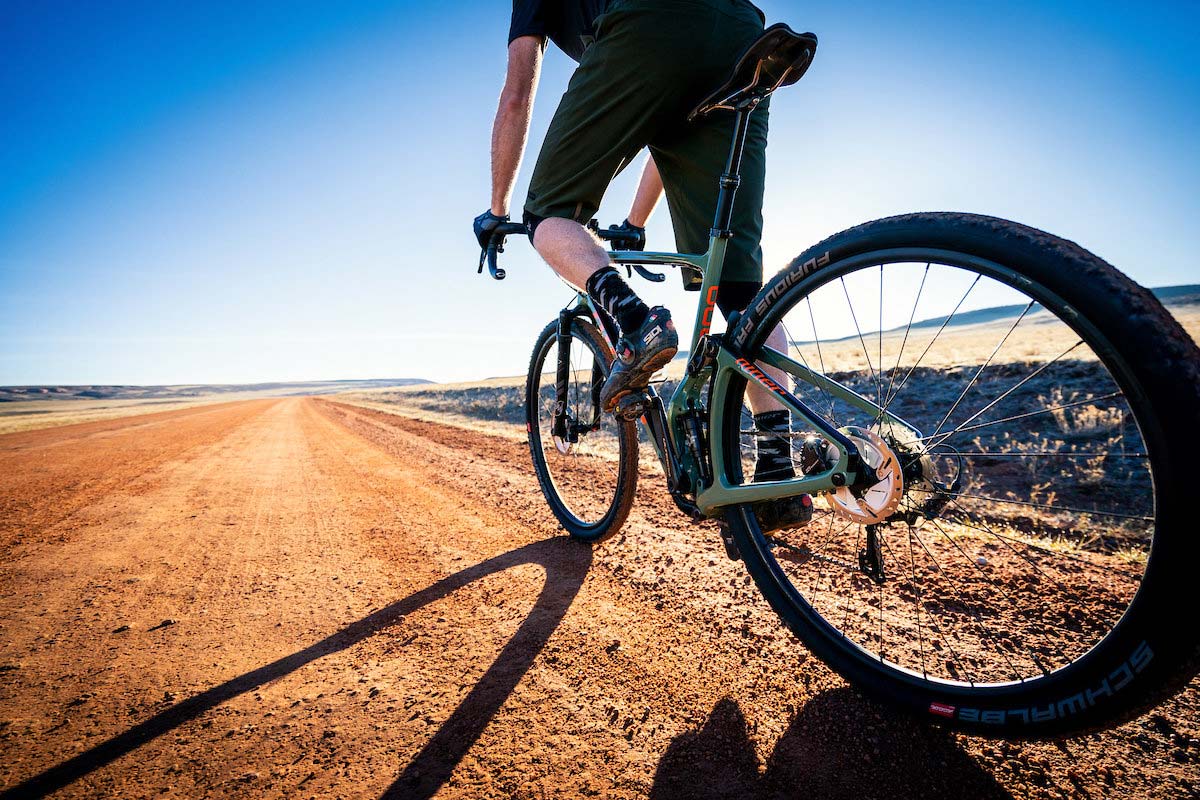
point(10, 394)
point(1186, 294)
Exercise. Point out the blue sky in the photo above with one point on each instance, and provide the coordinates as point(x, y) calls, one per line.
point(236, 192)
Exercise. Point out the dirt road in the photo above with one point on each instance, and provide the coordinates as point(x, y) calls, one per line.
point(301, 598)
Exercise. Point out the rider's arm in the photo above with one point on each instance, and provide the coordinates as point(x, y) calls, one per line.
point(511, 126)
point(649, 190)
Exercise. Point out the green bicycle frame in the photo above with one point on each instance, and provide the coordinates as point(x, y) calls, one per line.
point(680, 462)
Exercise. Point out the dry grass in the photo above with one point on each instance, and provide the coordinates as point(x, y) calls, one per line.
point(496, 405)
point(1039, 337)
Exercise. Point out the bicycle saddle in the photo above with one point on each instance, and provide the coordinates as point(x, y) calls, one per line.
point(779, 57)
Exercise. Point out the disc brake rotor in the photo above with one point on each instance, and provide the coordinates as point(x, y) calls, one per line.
point(875, 502)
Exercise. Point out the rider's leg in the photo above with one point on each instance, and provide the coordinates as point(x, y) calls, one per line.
point(762, 400)
point(576, 255)
point(634, 86)
point(772, 418)
point(648, 338)
point(570, 249)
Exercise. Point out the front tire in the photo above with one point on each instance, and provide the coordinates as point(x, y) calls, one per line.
point(590, 482)
point(1043, 597)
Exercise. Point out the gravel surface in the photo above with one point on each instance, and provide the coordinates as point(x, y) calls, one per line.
point(301, 598)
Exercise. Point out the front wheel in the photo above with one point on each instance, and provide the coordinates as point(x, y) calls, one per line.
point(587, 464)
point(1019, 561)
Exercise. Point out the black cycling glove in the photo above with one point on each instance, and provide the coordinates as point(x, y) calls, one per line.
point(635, 237)
point(485, 224)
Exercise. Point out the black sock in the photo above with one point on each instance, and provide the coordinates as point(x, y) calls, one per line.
point(607, 288)
point(774, 446)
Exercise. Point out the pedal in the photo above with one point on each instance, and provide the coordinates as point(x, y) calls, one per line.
point(631, 406)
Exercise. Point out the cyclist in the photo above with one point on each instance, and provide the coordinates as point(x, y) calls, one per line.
point(642, 67)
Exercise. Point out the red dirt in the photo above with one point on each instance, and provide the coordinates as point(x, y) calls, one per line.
point(362, 604)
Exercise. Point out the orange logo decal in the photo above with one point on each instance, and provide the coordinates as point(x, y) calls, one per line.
point(709, 300)
point(761, 377)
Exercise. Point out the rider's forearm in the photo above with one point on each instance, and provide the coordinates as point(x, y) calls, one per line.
point(509, 133)
point(649, 190)
point(511, 126)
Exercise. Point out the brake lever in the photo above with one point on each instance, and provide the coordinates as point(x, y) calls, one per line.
point(653, 277)
point(497, 272)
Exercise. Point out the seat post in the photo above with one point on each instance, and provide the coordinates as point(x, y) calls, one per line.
point(731, 178)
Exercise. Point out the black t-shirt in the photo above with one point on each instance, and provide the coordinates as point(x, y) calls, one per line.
point(567, 23)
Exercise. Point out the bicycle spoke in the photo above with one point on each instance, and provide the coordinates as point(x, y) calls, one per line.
point(882, 647)
point(1050, 507)
point(964, 604)
point(925, 352)
point(820, 357)
point(1000, 590)
point(818, 387)
point(982, 367)
point(880, 362)
point(1047, 551)
point(912, 571)
point(1050, 410)
point(887, 397)
point(917, 589)
point(1018, 385)
point(1042, 454)
point(866, 355)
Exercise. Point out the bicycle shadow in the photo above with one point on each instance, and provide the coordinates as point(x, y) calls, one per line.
point(566, 564)
point(840, 745)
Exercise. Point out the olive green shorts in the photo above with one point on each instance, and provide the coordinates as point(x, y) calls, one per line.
point(651, 63)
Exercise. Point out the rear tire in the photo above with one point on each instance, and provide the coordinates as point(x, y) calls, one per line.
point(590, 487)
point(1146, 647)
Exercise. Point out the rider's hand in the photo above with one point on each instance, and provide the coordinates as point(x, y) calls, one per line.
point(485, 224)
point(634, 236)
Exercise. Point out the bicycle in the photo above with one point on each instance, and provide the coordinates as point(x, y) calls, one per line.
point(1002, 541)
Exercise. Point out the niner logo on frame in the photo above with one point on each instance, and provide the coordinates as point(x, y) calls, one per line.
point(761, 377)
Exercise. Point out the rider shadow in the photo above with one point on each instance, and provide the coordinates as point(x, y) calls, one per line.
point(838, 746)
point(566, 565)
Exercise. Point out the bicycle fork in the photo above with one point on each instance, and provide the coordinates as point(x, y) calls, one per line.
point(565, 429)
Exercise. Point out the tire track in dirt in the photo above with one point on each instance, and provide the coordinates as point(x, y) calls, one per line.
point(70, 470)
point(367, 604)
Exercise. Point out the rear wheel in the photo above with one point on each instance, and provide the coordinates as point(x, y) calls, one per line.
point(1015, 567)
point(588, 468)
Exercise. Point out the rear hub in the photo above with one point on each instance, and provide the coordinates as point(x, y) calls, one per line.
point(878, 497)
